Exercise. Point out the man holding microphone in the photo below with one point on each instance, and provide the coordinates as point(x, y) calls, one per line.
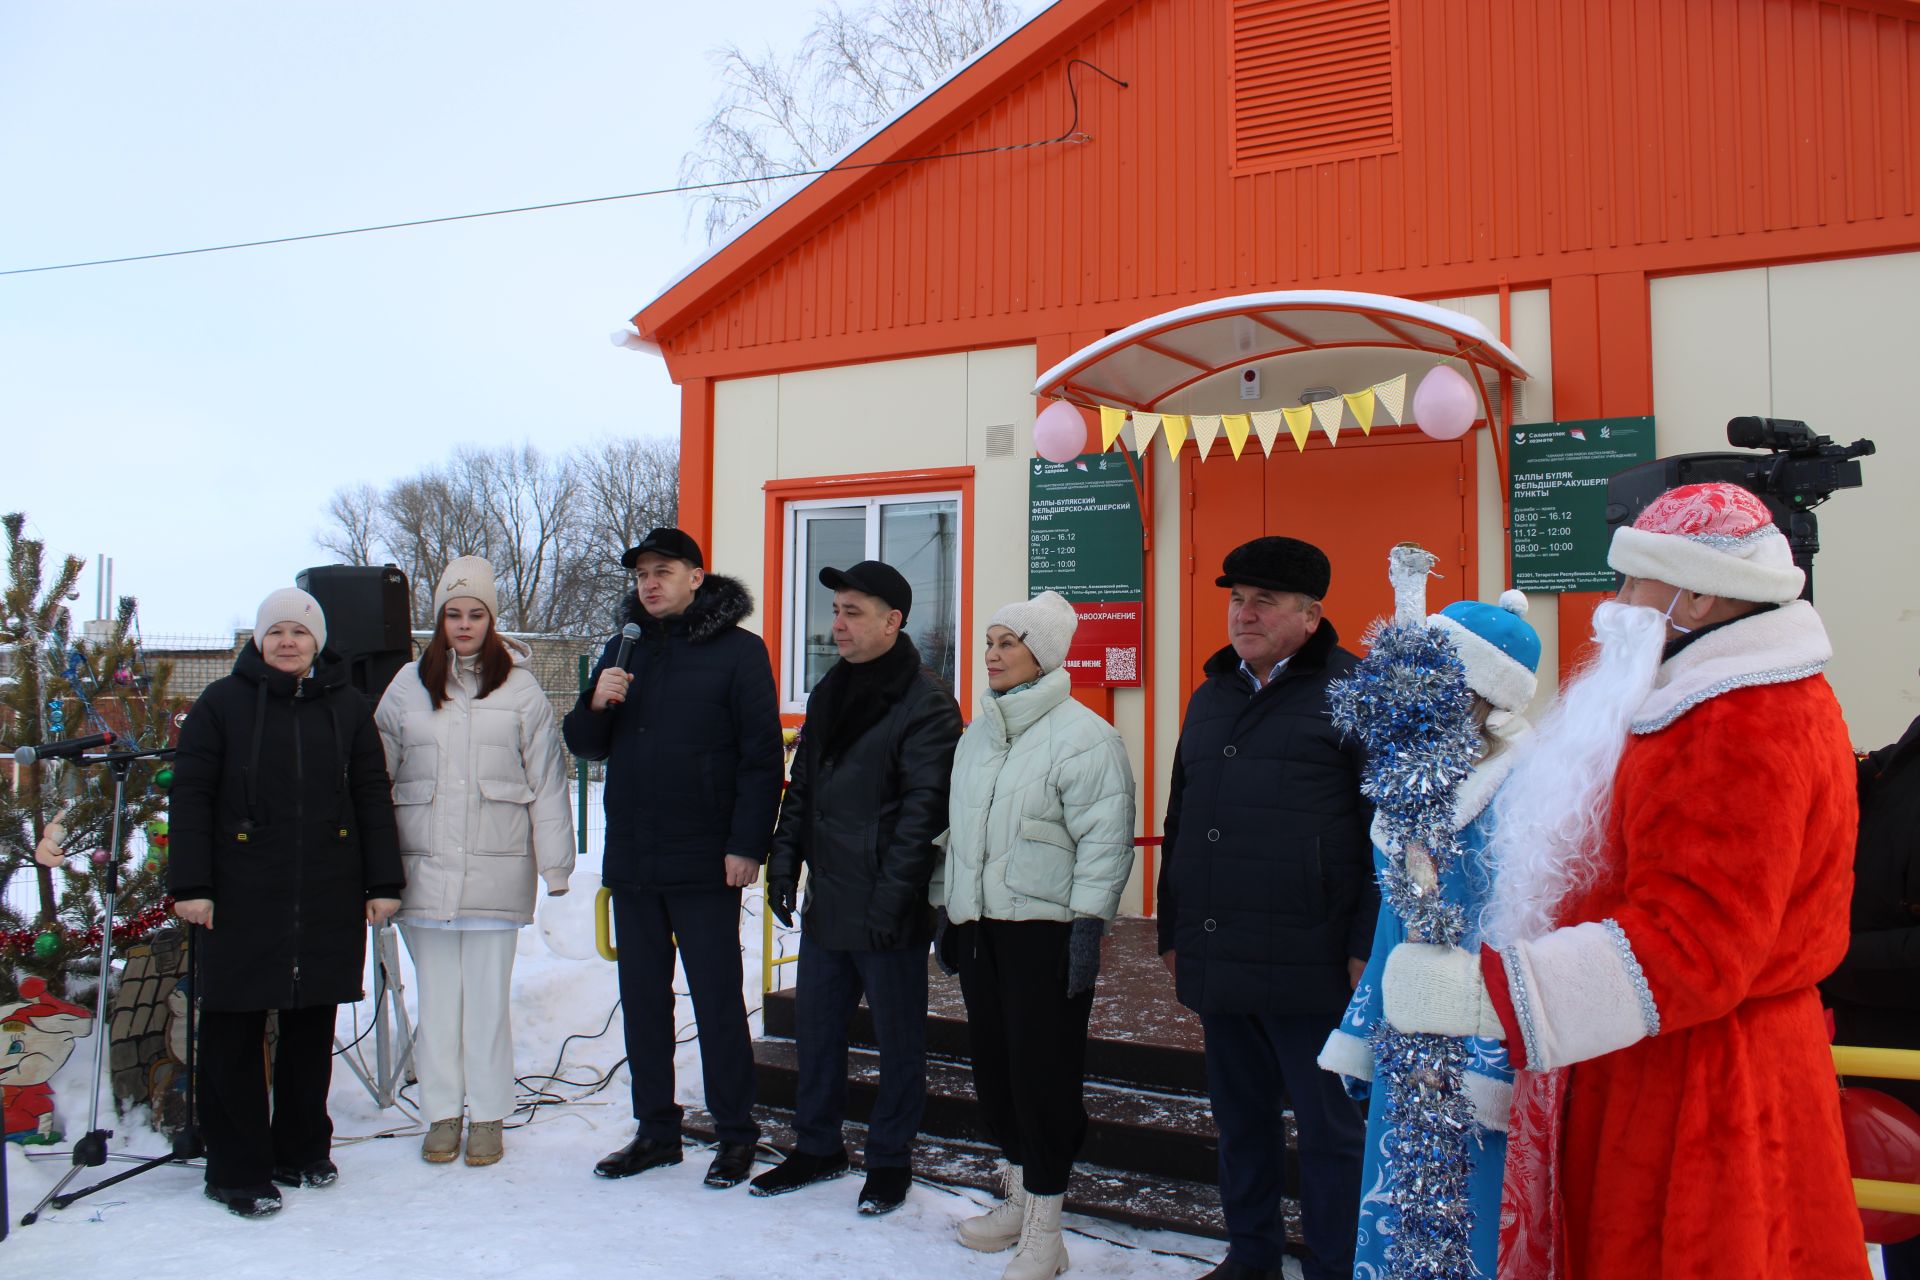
point(683, 710)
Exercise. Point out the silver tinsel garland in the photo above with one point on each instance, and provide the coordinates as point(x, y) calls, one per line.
point(1409, 705)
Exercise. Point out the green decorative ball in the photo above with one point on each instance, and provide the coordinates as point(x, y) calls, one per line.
point(45, 945)
point(163, 779)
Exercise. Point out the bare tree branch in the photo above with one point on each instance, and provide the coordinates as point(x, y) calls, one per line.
point(855, 68)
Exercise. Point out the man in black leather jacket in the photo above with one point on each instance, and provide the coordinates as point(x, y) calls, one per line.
point(867, 797)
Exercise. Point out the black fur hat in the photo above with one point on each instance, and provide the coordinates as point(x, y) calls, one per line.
point(1278, 564)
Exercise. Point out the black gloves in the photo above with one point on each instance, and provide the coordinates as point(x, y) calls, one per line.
point(1083, 953)
point(941, 923)
point(781, 894)
point(882, 939)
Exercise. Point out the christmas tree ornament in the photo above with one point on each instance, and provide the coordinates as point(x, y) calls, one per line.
point(1409, 706)
point(99, 857)
point(45, 945)
point(163, 778)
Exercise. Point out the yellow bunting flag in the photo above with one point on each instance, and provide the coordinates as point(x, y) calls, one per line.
point(1361, 402)
point(1112, 422)
point(1144, 425)
point(1299, 422)
point(1392, 395)
point(1238, 427)
point(1174, 432)
point(1266, 422)
point(1327, 413)
point(1206, 429)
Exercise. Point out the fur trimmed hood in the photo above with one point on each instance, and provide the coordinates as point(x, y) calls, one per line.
point(721, 602)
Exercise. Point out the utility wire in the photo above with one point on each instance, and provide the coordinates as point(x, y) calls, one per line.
point(1071, 134)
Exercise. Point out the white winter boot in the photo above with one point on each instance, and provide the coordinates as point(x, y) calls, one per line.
point(999, 1227)
point(1043, 1255)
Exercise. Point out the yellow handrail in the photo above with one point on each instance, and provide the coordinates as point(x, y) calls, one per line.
point(1879, 1064)
point(603, 925)
point(767, 959)
point(1893, 1197)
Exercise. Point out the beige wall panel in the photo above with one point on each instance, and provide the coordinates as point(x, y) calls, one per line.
point(1817, 341)
point(1842, 346)
point(1710, 358)
point(889, 415)
point(999, 393)
point(746, 414)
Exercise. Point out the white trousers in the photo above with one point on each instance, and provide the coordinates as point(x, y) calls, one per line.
point(463, 1048)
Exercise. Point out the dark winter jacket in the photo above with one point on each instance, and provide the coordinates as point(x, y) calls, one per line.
point(1266, 884)
point(1875, 993)
point(867, 797)
point(693, 754)
point(281, 813)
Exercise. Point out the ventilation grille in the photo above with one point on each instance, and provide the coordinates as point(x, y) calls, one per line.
point(1311, 77)
point(1000, 440)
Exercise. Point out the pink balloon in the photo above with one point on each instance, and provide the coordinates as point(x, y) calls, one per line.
point(1059, 433)
point(1445, 404)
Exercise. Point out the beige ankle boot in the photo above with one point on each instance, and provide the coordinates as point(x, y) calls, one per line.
point(483, 1142)
point(1043, 1254)
point(442, 1142)
point(999, 1227)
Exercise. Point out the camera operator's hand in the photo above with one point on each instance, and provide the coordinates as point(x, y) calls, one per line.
point(782, 892)
point(196, 911)
point(610, 690)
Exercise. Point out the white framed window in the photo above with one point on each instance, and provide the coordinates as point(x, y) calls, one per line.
point(917, 533)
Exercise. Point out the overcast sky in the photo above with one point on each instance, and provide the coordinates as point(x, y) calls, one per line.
point(190, 417)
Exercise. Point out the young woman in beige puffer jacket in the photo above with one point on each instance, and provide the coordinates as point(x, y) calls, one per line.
point(480, 793)
point(1039, 850)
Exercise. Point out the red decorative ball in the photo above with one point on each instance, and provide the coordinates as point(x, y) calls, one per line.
point(99, 857)
point(1883, 1143)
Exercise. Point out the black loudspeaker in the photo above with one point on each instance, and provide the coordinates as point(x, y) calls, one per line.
point(369, 620)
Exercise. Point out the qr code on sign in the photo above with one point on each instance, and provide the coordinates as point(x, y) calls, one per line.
point(1122, 663)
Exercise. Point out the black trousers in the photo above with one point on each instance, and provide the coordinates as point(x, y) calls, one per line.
point(826, 993)
point(1029, 1041)
point(245, 1143)
point(1257, 1063)
point(705, 923)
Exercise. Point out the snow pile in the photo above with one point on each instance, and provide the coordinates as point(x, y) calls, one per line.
point(538, 1213)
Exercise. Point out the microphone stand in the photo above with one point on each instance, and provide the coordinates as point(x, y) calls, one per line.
point(91, 1150)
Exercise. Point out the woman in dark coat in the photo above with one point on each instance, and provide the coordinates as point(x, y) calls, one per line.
point(283, 851)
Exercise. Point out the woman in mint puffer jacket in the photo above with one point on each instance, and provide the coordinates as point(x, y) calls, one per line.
point(1039, 849)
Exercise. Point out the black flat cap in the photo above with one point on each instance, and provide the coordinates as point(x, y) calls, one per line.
point(875, 579)
point(666, 542)
point(1278, 564)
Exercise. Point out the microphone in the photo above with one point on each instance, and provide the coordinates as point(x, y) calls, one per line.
point(62, 749)
point(629, 635)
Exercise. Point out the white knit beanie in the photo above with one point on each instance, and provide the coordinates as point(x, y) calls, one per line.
point(1711, 539)
point(290, 604)
point(470, 578)
point(1045, 624)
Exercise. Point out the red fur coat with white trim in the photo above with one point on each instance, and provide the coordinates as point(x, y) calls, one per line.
point(1714, 1148)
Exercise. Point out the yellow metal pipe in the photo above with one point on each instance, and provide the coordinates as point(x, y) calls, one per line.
point(603, 925)
point(1892, 1197)
point(1876, 1064)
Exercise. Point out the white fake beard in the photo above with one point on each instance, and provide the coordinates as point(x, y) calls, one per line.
point(1550, 818)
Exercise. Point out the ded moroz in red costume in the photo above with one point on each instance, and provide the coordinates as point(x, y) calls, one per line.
point(1696, 1129)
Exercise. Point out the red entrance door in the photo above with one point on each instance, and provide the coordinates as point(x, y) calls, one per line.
point(1353, 501)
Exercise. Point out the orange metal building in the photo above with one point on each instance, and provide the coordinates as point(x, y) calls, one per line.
point(1684, 208)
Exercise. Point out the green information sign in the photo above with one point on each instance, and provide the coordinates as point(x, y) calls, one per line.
point(1083, 541)
point(1559, 473)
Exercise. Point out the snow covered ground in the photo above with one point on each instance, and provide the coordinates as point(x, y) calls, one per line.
point(538, 1213)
